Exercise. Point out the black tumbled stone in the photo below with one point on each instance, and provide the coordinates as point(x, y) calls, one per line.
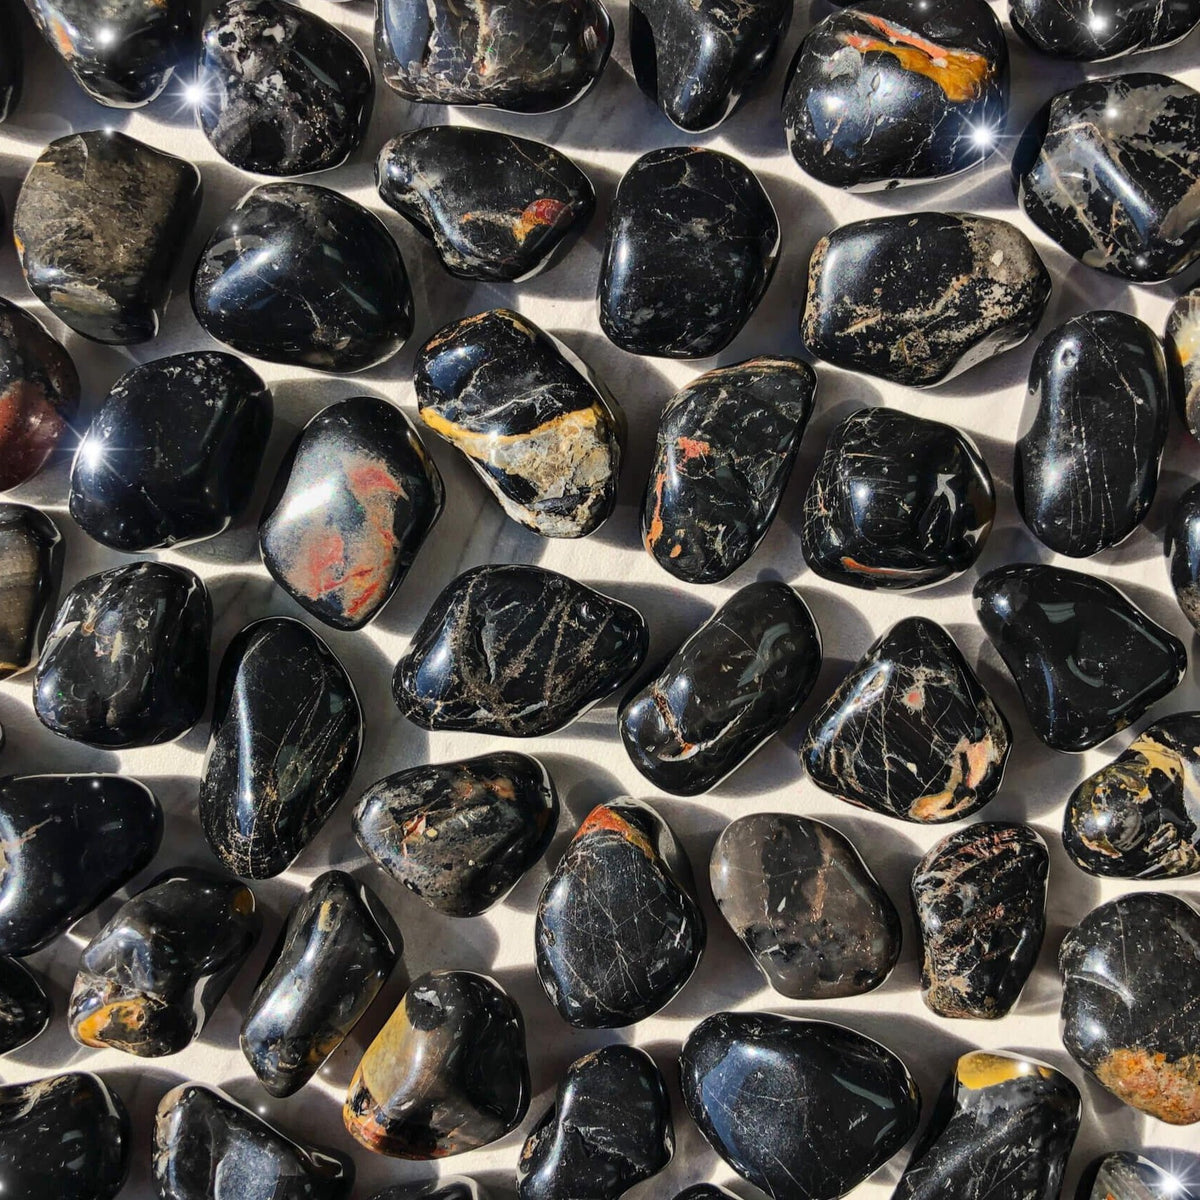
point(1183, 548)
point(1093, 30)
point(31, 561)
point(24, 1006)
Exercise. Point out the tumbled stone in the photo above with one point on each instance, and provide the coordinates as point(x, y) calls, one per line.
point(1086, 661)
point(691, 245)
point(31, 559)
point(70, 841)
point(726, 691)
point(1094, 30)
point(723, 456)
point(444, 1187)
point(1108, 170)
point(705, 1191)
point(301, 275)
point(608, 1129)
point(99, 224)
point(1002, 1130)
point(126, 659)
point(285, 737)
point(879, 302)
point(1124, 1175)
point(460, 834)
point(1182, 343)
point(150, 979)
point(12, 66)
point(552, 649)
point(1086, 465)
point(1183, 547)
point(886, 92)
point(446, 1074)
point(1131, 974)
point(281, 92)
point(494, 206)
point(621, 897)
point(805, 1110)
point(352, 504)
point(538, 428)
point(24, 1006)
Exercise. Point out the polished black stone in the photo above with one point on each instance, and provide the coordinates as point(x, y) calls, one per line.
point(301, 275)
point(1094, 30)
point(494, 206)
point(1086, 661)
point(460, 834)
point(618, 930)
point(285, 737)
point(69, 841)
point(804, 1110)
point(1181, 340)
point(281, 92)
point(209, 1147)
point(919, 297)
point(608, 1129)
point(1108, 170)
point(31, 560)
point(516, 651)
point(12, 64)
point(536, 425)
point(886, 92)
point(24, 1006)
point(126, 659)
point(1096, 417)
point(149, 981)
point(691, 245)
point(725, 692)
point(1131, 975)
point(352, 504)
point(444, 1187)
point(724, 453)
point(1124, 1175)
point(1183, 547)
point(897, 502)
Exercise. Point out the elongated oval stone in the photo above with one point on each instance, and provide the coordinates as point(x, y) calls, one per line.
point(285, 737)
point(1131, 974)
point(804, 1110)
point(1086, 661)
point(1182, 343)
point(622, 893)
point(70, 842)
point(1096, 418)
point(24, 1006)
point(460, 834)
point(1085, 29)
point(608, 1129)
point(1183, 547)
point(728, 689)
point(1123, 1175)
point(31, 560)
point(354, 500)
point(150, 979)
point(552, 649)
point(446, 1074)
point(723, 456)
point(537, 427)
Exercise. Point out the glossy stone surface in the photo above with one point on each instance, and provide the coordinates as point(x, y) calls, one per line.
point(980, 901)
point(804, 1110)
point(1181, 340)
point(39, 394)
point(282, 92)
point(691, 245)
point(301, 275)
point(126, 659)
point(1124, 1175)
point(460, 834)
point(31, 559)
point(1095, 424)
point(1131, 974)
point(446, 1074)
point(444, 1187)
point(727, 690)
point(805, 905)
point(608, 1129)
point(150, 979)
point(1183, 547)
point(209, 1147)
point(885, 92)
point(896, 502)
point(1094, 30)
point(618, 929)
point(285, 737)
point(553, 649)
point(524, 55)
point(99, 225)
point(1086, 661)
point(1107, 169)
point(696, 59)
point(24, 1006)
point(494, 206)
point(63, 1137)
point(879, 302)
point(12, 63)
point(723, 456)
point(352, 504)
point(537, 427)
point(1002, 1129)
